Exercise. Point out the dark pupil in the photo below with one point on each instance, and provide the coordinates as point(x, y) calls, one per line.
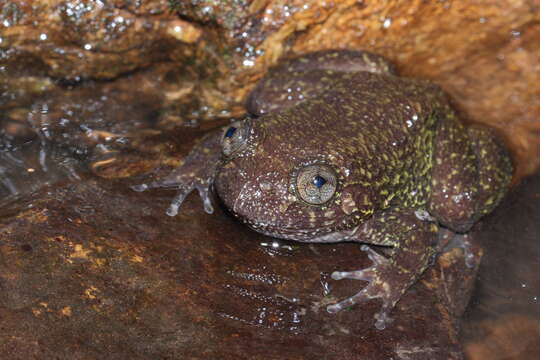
point(230, 132)
point(318, 181)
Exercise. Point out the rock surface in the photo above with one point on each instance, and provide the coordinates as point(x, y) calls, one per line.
point(90, 268)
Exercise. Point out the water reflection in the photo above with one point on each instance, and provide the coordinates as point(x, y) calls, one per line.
point(29, 161)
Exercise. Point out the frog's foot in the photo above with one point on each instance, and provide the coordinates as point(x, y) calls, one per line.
point(197, 172)
point(471, 259)
point(184, 189)
point(385, 283)
point(451, 240)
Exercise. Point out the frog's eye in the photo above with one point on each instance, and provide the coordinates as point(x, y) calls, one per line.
point(235, 137)
point(316, 184)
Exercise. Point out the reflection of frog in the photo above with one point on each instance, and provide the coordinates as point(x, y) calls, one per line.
point(341, 149)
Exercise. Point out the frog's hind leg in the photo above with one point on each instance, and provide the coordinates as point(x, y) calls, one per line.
point(470, 175)
point(389, 278)
point(307, 76)
point(494, 168)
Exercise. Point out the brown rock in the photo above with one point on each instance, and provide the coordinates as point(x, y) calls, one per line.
point(91, 265)
point(511, 337)
point(91, 39)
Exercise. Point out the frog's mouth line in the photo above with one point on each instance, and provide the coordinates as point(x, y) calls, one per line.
point(323, 234)
point(296, 235)
point(301, 230)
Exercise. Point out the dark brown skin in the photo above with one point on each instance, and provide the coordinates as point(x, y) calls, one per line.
point(339, 148)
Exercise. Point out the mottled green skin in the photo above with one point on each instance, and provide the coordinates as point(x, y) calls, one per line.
point(405, 166)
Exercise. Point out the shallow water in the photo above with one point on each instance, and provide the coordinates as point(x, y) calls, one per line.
point(28, 164)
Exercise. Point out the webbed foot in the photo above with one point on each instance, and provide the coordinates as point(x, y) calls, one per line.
point(381, 277)
point(449, 240)
point(196, 173)
point(411, 241)
point(184, 189)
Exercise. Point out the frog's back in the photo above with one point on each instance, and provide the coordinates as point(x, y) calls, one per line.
point(387, 108)
point(363, 113)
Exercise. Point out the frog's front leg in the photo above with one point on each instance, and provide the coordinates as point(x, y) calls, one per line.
point(197, 171)
point(412, 240)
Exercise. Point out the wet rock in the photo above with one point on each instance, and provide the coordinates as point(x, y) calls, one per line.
point(512, 337)
point(79, 39)
point(98, 119)
point(90, 265)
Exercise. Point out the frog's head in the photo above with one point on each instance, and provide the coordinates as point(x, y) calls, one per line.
point(289, 188)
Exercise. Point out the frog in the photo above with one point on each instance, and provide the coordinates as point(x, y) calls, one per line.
point(337, 147)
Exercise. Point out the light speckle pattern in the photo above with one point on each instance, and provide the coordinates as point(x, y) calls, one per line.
point(393, 160)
